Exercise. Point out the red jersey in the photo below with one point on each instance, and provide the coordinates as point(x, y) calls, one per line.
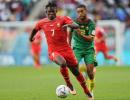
point(99, 35)
point(55, 35)
point(36, 44)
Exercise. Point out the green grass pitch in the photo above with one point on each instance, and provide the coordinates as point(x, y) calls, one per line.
point(28, 83)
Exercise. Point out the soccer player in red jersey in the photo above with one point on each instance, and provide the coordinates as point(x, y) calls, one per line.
point(36, 49)
point(59, 49)
point(100, 44)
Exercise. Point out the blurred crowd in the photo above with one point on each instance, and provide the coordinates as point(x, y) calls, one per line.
point(11, 10)
point(107, 9)
point(15, 10)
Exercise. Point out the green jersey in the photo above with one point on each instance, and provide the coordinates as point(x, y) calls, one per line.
point(87, 28)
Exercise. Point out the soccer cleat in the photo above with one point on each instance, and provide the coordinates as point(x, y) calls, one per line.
point(89, 98)
point(92, 95)
point(91, 87)
point(72, 90)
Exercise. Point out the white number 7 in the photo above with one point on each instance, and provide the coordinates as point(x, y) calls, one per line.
point(53, 32)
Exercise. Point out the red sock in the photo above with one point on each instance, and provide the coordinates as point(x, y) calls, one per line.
point(82, 82)
point(65, 74)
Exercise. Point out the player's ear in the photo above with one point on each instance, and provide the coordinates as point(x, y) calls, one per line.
point(56, 10)
point(46, 11)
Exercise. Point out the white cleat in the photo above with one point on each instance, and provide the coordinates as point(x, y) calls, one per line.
point(89, 98)
point(72, 92)
point(92, 95)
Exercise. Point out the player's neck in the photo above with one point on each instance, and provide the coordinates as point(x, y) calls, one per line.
point(82, 19)
point(51, 19)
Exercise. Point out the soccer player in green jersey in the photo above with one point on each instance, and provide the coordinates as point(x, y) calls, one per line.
point(83, 42)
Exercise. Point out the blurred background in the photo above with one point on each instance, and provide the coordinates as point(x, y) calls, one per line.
point(18, 17)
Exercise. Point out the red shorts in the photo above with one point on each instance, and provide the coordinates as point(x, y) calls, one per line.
point(68, 56)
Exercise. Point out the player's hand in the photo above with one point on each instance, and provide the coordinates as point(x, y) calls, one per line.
point(31, 39)
point(79, 32)
point(64, 27)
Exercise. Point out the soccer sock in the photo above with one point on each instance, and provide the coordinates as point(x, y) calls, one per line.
point(82, 82)
point(91, 84)
point(65, 74)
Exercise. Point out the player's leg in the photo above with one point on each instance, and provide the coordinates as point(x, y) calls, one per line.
point(78, 55)
point(107, 56)
point(83, 69)
point(36, 59)
point(59, 59)
point(73, 66)
point(80, 78)
point(90, 62)
point(90, 68)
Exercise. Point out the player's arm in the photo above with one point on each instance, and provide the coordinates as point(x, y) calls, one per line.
point(69, 28)
point(68, 22)
point(91, 33)
point(33, 33)
point(35, 30)
point(70, 33)
point(89, 37)
point(73, 25)
point(86, 37)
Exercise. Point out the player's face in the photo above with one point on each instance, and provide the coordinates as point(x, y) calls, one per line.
point(82, 12)
point(51, 12)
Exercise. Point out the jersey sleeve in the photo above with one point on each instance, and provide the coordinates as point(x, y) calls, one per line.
point(38, 25)
point(91, 29)
point(67, 20)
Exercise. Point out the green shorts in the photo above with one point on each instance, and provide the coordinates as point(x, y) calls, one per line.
point(88, 56)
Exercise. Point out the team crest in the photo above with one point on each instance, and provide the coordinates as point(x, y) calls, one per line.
point(58, 24)
point(87, 28)
point(82, 26)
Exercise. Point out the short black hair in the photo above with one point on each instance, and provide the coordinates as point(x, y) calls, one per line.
point(51, 4)
point(81, 6)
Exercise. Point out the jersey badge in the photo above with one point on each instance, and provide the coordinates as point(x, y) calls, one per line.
point(58, 24)
point(87, 28)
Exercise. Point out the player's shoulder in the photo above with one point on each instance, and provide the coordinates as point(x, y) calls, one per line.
point(90, 21)
point(100, 30)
